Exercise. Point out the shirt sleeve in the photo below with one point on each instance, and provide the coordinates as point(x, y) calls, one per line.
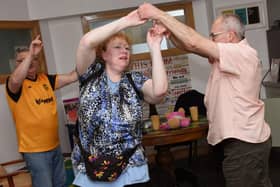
point(237, 57)
point(230, 58)
point(52, 79)
point(139, 80)
point(15, 97)
point(92, 71)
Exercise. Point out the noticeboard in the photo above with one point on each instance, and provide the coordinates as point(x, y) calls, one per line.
point(179, 77)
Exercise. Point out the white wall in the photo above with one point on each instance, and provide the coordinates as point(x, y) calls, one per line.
point(8, 143)
point(199, 66)
point(14, 10)
point(61, 36)
point(42, 9)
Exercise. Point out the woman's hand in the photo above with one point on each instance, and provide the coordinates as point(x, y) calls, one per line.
point(154, 38)
point(161, 29)
point(133, 19)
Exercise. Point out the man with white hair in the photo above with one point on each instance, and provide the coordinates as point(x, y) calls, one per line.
point(234, 110)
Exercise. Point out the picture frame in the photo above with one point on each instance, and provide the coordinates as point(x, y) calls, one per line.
point(252, 15)
point(71, 107)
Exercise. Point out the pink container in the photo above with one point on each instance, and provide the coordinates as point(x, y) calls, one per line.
point(185, 122)
point(175, 115)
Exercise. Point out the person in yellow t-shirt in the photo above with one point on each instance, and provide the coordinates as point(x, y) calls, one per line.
point(32, 101)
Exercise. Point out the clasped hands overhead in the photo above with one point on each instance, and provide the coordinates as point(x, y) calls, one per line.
point(147, 12)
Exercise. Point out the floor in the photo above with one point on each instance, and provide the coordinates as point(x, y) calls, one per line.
point(203, 172)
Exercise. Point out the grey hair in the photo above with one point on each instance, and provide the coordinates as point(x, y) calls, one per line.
point(232, 22)
point(20, 50)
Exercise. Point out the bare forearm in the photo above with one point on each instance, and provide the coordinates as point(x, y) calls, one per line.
point(65, 79)
point(183, 35)
point(19, 74)
point(87, 48)
point(93, 38)
point(159, 77)
point(187, 38)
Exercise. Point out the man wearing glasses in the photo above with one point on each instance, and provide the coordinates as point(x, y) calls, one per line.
point(234, 110)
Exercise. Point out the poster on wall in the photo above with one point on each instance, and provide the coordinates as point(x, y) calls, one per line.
point(71, 110)
point(179, 77)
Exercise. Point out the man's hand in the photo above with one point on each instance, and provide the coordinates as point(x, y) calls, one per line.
point(35, 46)
point(148, 11)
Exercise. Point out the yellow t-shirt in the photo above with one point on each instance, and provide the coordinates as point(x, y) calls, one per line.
point(35, 115)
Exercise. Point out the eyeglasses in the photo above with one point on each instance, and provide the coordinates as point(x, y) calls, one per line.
point(215, 34)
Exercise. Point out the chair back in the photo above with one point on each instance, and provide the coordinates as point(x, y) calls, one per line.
point(18, 178)
point(191, 98)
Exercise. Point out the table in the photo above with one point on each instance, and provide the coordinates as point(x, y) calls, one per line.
point(162, 139)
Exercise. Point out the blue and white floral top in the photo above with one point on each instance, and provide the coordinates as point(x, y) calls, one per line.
point(109, 119)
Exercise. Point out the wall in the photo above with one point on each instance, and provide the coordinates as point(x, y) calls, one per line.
point(42, 9)
point(60, 45)
point(198, 65)
point(273, 7)
point(14, 10)
point(8, 144)
point(61, 36)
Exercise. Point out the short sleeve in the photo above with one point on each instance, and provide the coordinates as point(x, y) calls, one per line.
point(91, 72)
point(52, 80)
point(15, 96)
point(237, 57)
point(230, 58)
point(139, 79)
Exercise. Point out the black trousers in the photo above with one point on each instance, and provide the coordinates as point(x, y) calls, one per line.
point(245, 164)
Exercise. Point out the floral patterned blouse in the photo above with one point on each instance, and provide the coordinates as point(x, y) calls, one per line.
point(109, 119)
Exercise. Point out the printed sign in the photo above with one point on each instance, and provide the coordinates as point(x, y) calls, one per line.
point(179, 77)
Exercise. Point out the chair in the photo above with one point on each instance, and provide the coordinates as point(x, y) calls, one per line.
point(186, 100)
point(18, 178)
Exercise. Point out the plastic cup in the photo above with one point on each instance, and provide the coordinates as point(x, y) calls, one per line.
point(194, 113)
point(155, 122)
